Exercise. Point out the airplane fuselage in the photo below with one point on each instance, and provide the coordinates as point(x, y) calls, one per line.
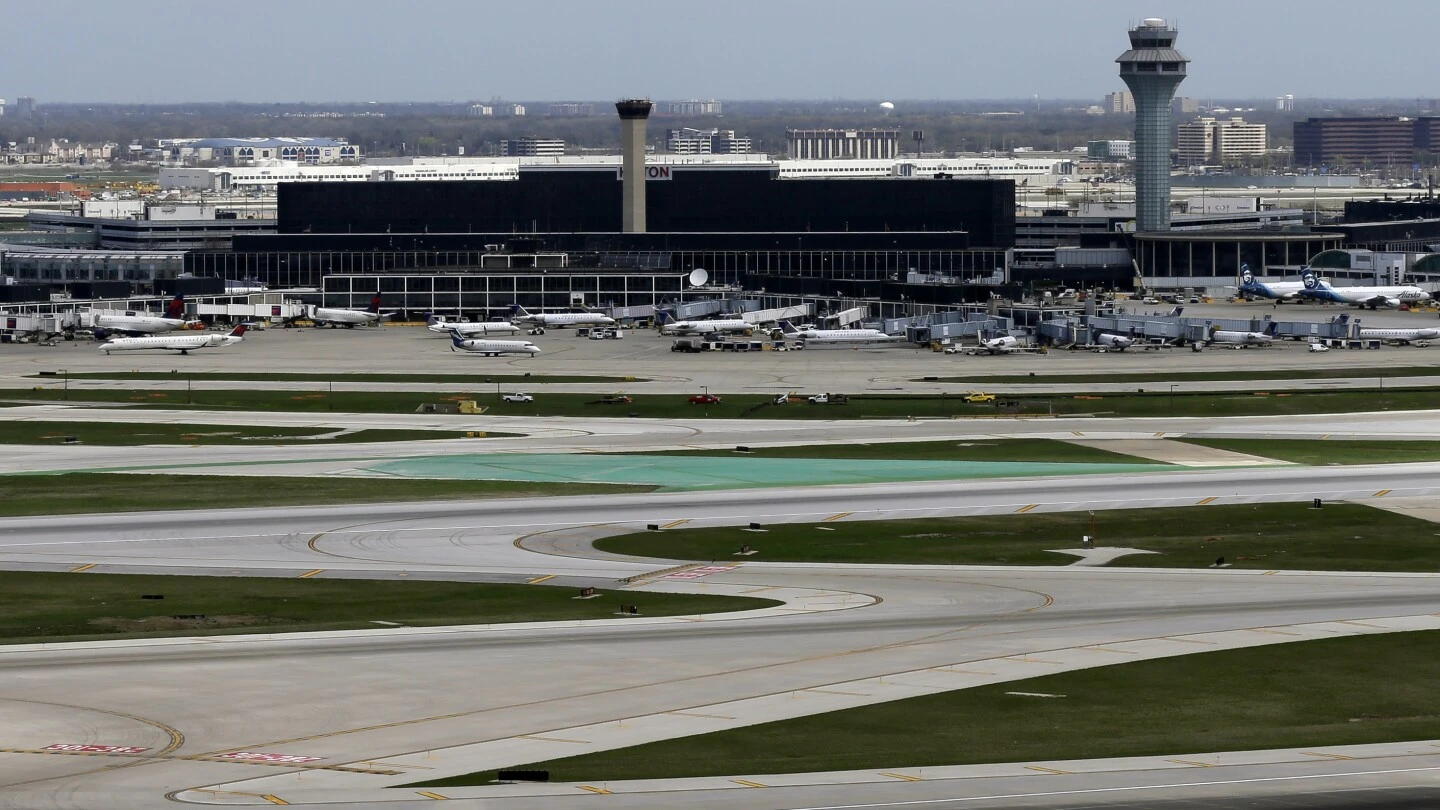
point(473, 329)
point(175, 343)
point(707, 327)
point(138, 324)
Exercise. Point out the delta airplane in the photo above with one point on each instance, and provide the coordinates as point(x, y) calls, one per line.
point(348, 318)
point(492, 348)
point(562, 319)
point(438, 324)
point(835, 335)
point(1372, 297)
point(134, 323)
point(1278, 290)
point(1240, 339)
point(1401, 336)
point(175, 343)
point(670, 326)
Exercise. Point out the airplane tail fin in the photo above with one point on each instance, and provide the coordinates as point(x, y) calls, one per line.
point(176, 308)
point(1343, 319)
point(457, 340)
point(374, 305)
point(1175, 313)
point(787, 328)
point(518, 311)
point(238, 331)
point(1272, 329)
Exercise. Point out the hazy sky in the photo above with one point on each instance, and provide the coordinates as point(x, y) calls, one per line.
point(158, 51)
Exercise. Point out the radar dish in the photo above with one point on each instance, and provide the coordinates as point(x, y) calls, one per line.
point(698, 277)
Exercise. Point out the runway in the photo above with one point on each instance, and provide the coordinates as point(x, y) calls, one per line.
point(417, 702)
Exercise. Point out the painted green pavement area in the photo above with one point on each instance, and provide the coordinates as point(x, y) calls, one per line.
point(679, 472)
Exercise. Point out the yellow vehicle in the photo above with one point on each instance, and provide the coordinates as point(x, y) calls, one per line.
point(979, 397)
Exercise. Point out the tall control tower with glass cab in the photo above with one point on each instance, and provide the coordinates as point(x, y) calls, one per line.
point(1152, 69)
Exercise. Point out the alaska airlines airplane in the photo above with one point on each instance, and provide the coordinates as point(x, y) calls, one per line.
point(492, 348)
point(438, 324)
point(1372, 297)
point(670, 326)
point(1278, 290)
point(543, 319)
point(134, 323)
point(175, 343)
point(1233, 338)
point(823, 335)
point(348, 318)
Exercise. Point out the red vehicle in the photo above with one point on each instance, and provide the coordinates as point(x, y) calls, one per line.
point(704, 399)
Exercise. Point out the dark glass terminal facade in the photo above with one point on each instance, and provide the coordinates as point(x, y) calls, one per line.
point(752, 200)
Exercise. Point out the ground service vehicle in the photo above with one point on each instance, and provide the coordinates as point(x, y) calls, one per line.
point(978, 397)
point(518, 397)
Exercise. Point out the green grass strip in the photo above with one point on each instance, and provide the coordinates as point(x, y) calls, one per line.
point(79, 493)
point(1037, 450)
point(37, 607)
point(981, 379)
point(357, 377)
point(1327, 452)
point(143, 433)
point(753, 406)
point(1342, 691)
point(1273, 536)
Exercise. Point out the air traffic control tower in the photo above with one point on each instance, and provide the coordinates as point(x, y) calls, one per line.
point(1152, 69)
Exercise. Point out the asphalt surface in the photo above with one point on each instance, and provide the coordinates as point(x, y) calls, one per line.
point(380, 708)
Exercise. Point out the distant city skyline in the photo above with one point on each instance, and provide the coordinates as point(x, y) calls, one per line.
point(170, 51)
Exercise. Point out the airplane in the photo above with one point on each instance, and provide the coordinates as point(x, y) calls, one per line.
point(561, 319)
point(439, 325)
point(136, 324)
point(670, 326)
point(1242, 339)
point(1372, 297)
point(1278, 290)
point(1108, 342)
point(348, 318)
point(175, 343)
point(835, 335)
point(1401, 336)
point(492, 348)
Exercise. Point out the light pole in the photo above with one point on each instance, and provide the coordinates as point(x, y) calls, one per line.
point(1172, 399)
point(66, 373)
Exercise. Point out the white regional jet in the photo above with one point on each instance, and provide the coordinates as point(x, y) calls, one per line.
point(1402, 336)
point(1372, 297)
point(175, 343)
point(492, 348)
point(562, 319)
point(835, 335)
point(439, 325)
point(135, 323)
point(670, 326)
point(1239, 339)
point(348, 318)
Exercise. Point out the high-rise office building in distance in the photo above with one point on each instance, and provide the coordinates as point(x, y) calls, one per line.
point(1152, 69)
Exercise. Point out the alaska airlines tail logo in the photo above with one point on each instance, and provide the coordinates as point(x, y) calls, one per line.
point(1311, 282)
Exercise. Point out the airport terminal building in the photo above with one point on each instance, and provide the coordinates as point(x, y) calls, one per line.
point(553, 237)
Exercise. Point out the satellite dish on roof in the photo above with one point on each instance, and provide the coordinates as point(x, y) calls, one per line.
point(698, 277)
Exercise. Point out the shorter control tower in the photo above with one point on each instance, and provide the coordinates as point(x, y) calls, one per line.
point(633, 114)
point(1152, 69)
